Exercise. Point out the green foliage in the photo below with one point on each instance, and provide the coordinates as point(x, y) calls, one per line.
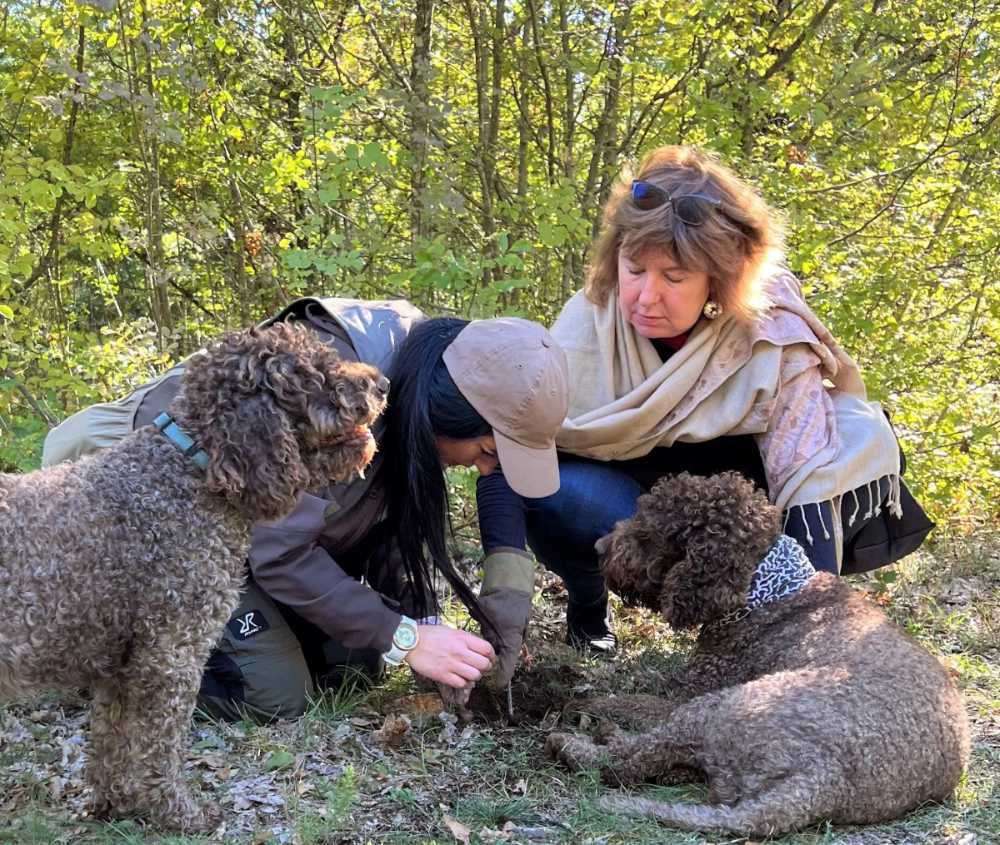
point(314, 827)
point(172, 168)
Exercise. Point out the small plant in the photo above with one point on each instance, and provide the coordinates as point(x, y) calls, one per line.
point(315, 826)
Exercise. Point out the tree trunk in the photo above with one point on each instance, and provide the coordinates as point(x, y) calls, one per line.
point(570, 263)
point(420, 120)
point(156, 271)
point(67, 158)
point(604, 158)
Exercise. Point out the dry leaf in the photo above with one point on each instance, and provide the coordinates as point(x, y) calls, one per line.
point(393, 731)
point(420, 704)
point(458, 830)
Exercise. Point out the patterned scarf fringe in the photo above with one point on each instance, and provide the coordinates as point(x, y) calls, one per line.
point(892, 502)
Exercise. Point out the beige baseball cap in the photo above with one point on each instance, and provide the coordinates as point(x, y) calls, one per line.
point(515, 375)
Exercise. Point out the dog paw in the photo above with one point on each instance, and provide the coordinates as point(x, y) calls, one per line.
point(554, 745)
point(575, 752)
point(178, 810)
point(607, 732)
point(99, 809)
point(199, 818)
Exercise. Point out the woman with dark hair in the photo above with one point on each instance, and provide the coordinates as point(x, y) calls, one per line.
point(345, 582)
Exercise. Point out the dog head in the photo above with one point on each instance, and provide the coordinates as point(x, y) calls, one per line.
point(278, 413)
point(692, 547)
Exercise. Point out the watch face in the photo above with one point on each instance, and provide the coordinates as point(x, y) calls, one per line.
point(405, 638)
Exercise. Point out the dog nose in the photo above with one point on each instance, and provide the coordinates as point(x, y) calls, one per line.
point(382, 385)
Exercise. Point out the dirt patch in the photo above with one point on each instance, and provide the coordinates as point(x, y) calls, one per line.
point(535, 693)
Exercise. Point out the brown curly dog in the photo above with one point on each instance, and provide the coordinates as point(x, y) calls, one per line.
point(118, 571)
point(801, 701)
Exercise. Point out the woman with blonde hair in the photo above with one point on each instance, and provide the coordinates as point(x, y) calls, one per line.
point(691, 348)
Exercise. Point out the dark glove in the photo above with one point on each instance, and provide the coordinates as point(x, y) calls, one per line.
point(508, 584)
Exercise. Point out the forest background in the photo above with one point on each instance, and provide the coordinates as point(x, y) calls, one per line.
point(171, 168)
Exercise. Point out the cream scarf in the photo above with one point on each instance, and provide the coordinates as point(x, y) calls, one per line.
point(726, 380)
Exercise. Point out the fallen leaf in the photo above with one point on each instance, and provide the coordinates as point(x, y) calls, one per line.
point(278, 760)
point(458, 830)
point(211, 760)
point(419, 704)
point(394, 730)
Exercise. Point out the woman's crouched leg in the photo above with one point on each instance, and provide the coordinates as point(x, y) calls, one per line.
point(257, 671)
point(562, 530)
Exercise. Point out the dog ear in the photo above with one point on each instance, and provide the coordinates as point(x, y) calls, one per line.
point(621, 563)
point(254, 458)
point(698, 589)
point(680, 601)
point(723, 526)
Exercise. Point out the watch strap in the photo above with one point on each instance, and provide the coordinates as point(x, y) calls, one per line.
point(396, 653)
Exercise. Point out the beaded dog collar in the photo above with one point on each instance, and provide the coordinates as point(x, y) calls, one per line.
point(782, 572)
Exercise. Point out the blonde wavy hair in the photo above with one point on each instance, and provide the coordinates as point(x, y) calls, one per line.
point(738, 245)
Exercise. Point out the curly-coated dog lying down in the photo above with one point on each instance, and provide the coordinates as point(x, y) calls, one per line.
point(118, 571)
point(801, 701)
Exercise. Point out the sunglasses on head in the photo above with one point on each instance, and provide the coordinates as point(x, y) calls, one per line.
point(690, 209)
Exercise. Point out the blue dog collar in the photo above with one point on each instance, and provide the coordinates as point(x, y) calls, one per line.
point(165, 423)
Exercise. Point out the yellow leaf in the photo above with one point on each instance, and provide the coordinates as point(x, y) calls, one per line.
point(458, 830)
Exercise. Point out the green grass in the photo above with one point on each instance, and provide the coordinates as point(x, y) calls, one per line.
point(325, 779)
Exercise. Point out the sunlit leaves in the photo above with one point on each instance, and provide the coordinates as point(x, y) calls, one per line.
point(285, 140)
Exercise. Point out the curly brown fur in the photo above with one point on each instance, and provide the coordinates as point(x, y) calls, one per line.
point(811, 707)
point(667, 556)
point(117, 572)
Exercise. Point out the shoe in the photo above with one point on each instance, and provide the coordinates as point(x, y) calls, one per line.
point(588, 629)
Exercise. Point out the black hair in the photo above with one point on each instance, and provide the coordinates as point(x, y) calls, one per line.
point(424, 402)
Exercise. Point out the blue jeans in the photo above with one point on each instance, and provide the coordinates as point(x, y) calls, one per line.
point(561, 529)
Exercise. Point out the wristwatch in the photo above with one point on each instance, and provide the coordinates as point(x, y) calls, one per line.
point(403, 641)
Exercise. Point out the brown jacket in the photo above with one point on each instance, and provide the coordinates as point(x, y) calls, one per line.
point(294, 560)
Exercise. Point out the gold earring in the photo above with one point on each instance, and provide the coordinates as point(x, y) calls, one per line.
point(711, 310)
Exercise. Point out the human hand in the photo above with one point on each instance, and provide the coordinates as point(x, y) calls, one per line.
point(449, 656)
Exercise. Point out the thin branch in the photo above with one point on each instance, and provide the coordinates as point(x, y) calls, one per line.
point(67, 157)
point(32, 402)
